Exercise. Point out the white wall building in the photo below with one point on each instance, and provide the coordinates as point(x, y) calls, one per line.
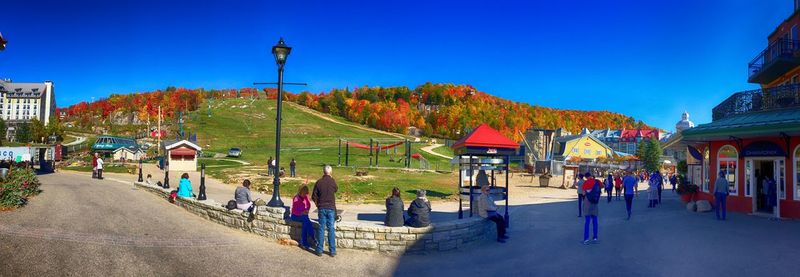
point(22, 102)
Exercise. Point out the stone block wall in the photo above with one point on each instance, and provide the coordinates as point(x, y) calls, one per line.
point(273, 223)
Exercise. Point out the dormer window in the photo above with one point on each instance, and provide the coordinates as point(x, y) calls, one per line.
point(17, 89)
point(35, 90)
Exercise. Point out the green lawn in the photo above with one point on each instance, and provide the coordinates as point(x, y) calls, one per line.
point(313, 142)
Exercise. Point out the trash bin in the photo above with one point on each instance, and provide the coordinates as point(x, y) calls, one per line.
point(161, 162)
point(544, 180)
point(3, 172)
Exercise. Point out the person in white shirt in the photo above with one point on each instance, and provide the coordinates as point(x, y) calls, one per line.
point(488, 210)
point(100, 168)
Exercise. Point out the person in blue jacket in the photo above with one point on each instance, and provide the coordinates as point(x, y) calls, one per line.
point(609, 186)
point(185, 187)
point(658, 181)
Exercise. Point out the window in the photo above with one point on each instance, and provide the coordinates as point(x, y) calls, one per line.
point(728, 161)
point(598, 152)
point(797, 173)
point(587, 151)
point(575, 150)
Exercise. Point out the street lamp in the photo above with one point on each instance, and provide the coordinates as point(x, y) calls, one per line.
point(281, 52)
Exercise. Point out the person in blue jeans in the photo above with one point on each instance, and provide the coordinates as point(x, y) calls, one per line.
point(324, 196)
point(721, 192)
point(609, 186)
point(629, 183)
point(592, 189)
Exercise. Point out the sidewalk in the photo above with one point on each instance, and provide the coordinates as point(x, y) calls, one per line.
point(521, 193)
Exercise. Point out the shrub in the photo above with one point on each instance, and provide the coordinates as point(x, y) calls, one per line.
point(19, 184)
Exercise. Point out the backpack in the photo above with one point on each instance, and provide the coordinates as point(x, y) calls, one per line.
point(231, 205)
point(594, 195)
point(173, 195)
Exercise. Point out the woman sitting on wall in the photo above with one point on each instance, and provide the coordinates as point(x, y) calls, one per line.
point(394, 209)
point(185, 187)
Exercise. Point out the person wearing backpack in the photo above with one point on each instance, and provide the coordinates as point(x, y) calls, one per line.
point(592, 189)
point(609, 184)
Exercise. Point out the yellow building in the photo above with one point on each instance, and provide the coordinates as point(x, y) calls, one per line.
point(585, 146)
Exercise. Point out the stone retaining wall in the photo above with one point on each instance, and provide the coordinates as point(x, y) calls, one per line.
point(273, 223)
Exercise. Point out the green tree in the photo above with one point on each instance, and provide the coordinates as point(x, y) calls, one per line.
point(3, 130)
point(649, 152)
point(23, 133)
point(38, 130)
point(54, 127)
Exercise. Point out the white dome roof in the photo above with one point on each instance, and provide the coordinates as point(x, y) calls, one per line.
point(685, 123)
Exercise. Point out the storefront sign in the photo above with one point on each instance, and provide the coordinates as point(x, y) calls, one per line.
point(763, 149)
point(15, 153)
point(491, 151)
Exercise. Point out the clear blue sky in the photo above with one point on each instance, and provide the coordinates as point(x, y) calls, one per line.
point(648, 59)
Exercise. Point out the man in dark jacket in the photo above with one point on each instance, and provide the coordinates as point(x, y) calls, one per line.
point(293, 168)
point(419, 211)
point(324, 197)
point(269, 167)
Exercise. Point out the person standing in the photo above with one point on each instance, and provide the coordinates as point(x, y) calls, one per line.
point(579, 186)
point(673, 180)
point(269, 166)
point(94, 166)
point(293, 168)
point(324, 197)
point(652, 193)
point(99, 167)
point(772, 193)
point(629, 184)
point(618, 185)
point(721, 192)
point(609, 186)
point(592, 190)
point(488, 209)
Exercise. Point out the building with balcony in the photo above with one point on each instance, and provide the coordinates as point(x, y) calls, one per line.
point(23, 102)
point(754, 135)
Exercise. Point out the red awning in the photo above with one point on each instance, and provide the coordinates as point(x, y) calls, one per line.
point(182, 151)
point(485, 136)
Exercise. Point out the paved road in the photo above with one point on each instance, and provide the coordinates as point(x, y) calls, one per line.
point(429, 149)
point(84, 227)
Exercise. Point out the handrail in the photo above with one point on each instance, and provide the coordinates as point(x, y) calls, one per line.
point(774, 98)
point(777, 49)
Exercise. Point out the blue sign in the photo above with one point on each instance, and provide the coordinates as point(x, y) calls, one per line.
point(763, 149)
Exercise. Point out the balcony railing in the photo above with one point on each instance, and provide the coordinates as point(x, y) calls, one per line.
point(778, 58)
point(757, 100)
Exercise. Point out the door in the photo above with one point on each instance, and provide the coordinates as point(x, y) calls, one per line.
point(780, 181)
point(749, 181)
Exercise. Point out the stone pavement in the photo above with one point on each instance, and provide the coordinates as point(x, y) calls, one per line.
point(84, 227)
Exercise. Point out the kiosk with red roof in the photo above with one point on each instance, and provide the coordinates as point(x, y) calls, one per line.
point(483, 149)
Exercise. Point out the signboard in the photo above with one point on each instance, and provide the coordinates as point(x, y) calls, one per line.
point(587, 144)
point(763, 149)
point(491, 151)
point(17, 154)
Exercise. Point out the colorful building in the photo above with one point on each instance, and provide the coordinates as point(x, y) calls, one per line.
point(755, 135)
point(584, 146)
point(625, 140)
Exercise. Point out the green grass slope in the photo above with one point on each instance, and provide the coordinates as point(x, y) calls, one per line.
point(313, 142)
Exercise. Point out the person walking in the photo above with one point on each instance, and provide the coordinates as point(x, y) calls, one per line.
point(394, 210)
point(721, 192)
point(629, 184)
point(488, 209)
point(300, 208)
point(772, 195)
point(609, 186)
point(652, 193)
point(324, 197)
point(673, 180)
point(293, 168)
point(618, 186)
point(579, 186)
point(656, 179)
point(592, 190)
point(99, 167)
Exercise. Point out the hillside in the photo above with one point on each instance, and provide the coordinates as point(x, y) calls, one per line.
point(313, 141)
point(436, 110)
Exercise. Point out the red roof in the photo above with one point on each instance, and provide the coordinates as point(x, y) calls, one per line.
point(485, 136)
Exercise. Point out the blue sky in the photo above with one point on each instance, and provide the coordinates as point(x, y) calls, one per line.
point(648, 59)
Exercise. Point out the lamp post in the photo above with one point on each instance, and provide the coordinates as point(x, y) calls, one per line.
point(280, 51)
point(140, 171)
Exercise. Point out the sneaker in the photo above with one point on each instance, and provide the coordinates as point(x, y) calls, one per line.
point(586, 242)
point(319, 254)
point(595, 241)
point(332, 254)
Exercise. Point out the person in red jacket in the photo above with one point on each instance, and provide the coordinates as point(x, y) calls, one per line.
point(618, 186)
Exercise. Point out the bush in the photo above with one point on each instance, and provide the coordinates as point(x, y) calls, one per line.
point(20, 184)
point(684, 188)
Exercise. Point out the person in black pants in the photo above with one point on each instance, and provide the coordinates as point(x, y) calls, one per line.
point(579, 184)
point(488, 210)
